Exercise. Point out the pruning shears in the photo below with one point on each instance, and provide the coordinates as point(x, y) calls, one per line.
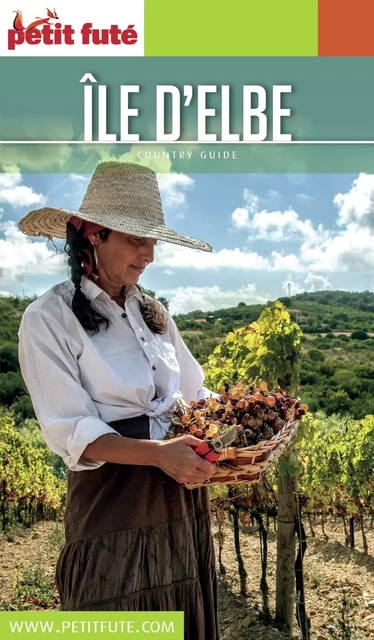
point(212, 448)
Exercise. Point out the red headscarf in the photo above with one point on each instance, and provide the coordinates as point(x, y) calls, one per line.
point(88, 228)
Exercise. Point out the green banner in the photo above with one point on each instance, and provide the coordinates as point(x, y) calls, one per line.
point(328, 114)
point(104, 625)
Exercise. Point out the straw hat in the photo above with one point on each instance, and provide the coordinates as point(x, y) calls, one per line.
point(121, 196)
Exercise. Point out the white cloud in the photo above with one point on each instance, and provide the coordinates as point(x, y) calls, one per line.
point(278, 226)
point(240, 218)
point(288, 262)
point(13, 192)
point(349, 250)
point(251, 200)
point(5, 294)
point(185, 299)
point(317, 282)
point(304, 197)
point(174, 187)
point(177, 257)
point(10, 178)
point(171, 256)
point(274, 226)
point(22, 257)
point(357, 206)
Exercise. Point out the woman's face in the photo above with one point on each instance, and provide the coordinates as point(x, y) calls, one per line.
point(122, 258)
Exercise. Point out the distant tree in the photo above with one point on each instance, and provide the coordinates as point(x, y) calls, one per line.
point(242, 304)
point(286, 301)
point(316, 355)
point(344, 338)
point(366, 371)
point(12, 387)
point(340, 317)
point(346, 380)
point(308, 377)
point(337, 402)
point(164, 301)
point(326, 370)
point(148, 292)
point(152, 294)
point(359, 335)
point(9, 357)
point(22, 409)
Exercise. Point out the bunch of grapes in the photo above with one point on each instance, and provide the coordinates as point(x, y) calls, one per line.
point(257, 414)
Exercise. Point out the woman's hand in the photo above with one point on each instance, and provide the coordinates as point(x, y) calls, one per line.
point(177, 458)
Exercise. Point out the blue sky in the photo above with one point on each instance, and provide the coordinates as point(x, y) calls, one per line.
point(314, 231)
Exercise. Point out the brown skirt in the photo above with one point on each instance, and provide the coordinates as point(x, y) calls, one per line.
point(136, 540)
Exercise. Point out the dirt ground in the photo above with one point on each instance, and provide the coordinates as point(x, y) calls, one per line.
point(331, 569)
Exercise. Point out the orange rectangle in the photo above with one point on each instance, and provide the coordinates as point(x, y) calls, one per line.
point(346, 28)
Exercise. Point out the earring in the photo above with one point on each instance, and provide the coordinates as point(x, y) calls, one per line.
point(96, 260)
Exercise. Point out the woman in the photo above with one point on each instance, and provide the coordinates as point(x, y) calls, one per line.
point(105, 367)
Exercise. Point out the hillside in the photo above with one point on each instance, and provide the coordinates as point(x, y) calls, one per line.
point(323, 310)
point(336, 371)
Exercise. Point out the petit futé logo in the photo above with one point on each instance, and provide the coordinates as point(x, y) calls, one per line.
point(50, 32)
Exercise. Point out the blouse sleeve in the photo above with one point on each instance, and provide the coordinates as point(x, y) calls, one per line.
point(192, 374)
point(66, 414)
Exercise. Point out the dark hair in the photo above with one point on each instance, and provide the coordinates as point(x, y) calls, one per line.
point(76, 245)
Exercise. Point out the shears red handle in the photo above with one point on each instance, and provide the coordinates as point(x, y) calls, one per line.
point(206, 450)
point(212, 448)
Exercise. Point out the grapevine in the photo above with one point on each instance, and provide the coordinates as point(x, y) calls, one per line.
point(28, 488)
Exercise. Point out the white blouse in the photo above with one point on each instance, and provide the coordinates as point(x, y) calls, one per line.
point(79, 382)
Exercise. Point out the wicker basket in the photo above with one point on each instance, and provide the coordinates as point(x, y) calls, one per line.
point(247, 465)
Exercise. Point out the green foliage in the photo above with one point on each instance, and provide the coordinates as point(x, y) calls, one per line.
point(12, 387)
point(334, 460)
point(33, 589)
point(359, 335)
point(344, 628)
point(358, 460)
point(366, 371)
point(9, 357)
point(316, 355)
point(30, 431)
point(337, 463)
point(22, 410)
point(11, 310)
point(218, 491)
point(27, 483)
point(57, 537)
point(267, 349)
